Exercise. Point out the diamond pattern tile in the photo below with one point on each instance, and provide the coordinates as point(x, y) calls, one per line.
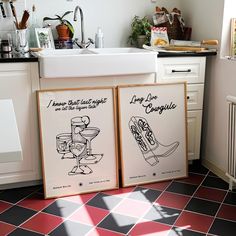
point(16, 215)
point(150, 228)
point(195, 222)
point(162, 214)
point(182, 188)
point(145, 194)
point(42, 223)
point(195, 206)
point(203, 206)
point(118, 223)
point(173, 200)
point(62, 208)
point(71, 228)
point(217, 195)
point(104, 201)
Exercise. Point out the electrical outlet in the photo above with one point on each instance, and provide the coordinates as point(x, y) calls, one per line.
point(154, 1)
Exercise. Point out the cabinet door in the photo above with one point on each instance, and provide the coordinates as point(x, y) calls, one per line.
point(194, 120)
point(16, 84)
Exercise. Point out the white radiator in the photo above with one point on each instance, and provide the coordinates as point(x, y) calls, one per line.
point(231, 172)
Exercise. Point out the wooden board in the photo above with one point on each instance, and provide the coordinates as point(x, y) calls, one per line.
point(189, 49)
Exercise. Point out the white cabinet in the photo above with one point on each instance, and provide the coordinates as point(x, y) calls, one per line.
point(18, 82)
point(191, 70)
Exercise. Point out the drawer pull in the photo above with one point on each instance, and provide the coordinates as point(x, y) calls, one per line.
point(181, 71)
point(188, 97)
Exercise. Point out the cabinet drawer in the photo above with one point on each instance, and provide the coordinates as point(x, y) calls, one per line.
point(189, 69)
point(194, 120)
point(195, 96)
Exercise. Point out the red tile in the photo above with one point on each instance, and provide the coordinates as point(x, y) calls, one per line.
point(158, 186)
point(150, 228)
point(173, 200)
point(122, 192)
point(80, 199)
point(5, 229)
point(193, 221)
point(132, 208)
point(210, 194)
point(103, 232)
point(192, 179)
point(36, 202)
point(42, 223)
point(4, 206)
point(227, 212)
point(89, 215)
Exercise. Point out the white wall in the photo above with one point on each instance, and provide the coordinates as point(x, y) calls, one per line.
point(113, 16)
point(211, 19)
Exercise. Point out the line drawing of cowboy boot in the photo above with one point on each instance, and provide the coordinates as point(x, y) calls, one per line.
point(159, 149)
point(147, 153)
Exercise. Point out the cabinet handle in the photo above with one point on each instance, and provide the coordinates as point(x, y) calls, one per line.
point(188, 97)
point(179, 71)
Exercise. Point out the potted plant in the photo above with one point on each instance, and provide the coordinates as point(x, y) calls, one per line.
point(65, 29)
point(140, 31)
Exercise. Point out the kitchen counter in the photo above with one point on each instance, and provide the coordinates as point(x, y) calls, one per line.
point(187, 54)
point(15, 57)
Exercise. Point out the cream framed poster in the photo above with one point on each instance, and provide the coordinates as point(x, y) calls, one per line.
point(78, 140)
point(152, 124)
point(233, 38)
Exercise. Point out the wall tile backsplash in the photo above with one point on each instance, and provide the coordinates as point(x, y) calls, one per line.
point(113, 16)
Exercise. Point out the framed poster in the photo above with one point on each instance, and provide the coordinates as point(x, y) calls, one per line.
point(44, 38)
point(233, 38)
point(78, 140)
point(152, 124)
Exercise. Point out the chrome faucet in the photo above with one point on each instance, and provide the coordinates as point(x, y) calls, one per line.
point(81, 44)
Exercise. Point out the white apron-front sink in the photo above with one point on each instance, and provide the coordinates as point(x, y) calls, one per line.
point(61, 63)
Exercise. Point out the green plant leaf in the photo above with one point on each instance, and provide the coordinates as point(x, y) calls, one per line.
point(50, 18)
point(66, 13)
point(71, 28)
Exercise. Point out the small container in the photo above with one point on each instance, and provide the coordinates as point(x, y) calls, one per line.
point(5, 47)
point(99, 39)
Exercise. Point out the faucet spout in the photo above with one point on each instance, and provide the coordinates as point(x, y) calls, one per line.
point(81, 21)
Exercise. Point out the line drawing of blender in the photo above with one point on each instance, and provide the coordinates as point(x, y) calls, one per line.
point(77, 145)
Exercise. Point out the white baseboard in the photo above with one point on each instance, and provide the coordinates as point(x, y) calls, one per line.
point(216, 170)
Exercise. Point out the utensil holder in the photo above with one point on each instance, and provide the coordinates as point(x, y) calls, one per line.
point(22, 42)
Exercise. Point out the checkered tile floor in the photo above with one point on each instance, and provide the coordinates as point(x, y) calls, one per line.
point(198, 205)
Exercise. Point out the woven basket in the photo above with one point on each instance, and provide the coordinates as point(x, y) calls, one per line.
point(172, 21)
point(174, 30)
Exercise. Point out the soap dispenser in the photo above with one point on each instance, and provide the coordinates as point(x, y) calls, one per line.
point(99, 40)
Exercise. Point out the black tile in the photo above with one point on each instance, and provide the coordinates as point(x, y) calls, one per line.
point(62, 208)
point(175, 231)
point(223, 228)
point(104, 201)
point(230, 198)
point(17, 194)
point(118, 223)
point(70, 228)
point(212, 174)
point(182, 188)
point(23, 232)
point(144, 194)
point(162, 214)
point(16, 215)
point(196, 167)
point(215, 182)
point(202, 206)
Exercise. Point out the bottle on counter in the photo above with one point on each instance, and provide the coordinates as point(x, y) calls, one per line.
point(33, 24)
point(99, 39)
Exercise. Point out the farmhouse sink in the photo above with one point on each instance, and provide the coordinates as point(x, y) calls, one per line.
point(61, 63)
